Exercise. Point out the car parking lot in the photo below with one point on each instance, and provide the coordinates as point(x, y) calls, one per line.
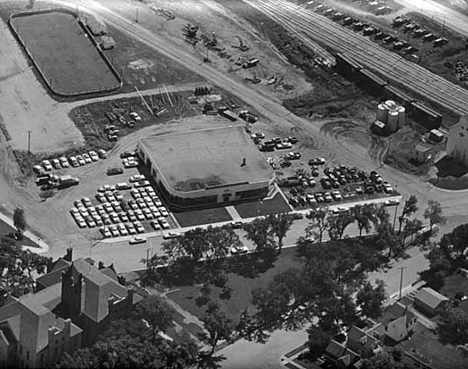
point(312, 182)
point(122, 208)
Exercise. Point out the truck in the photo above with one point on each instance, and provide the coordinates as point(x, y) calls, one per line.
point(66, 181)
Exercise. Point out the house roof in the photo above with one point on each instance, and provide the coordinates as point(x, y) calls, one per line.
point(55, 275)
point(29, 322)
point(99, 288)
point(430, 297)
point(358, 335)
point(339, 352)
point(422, 148)
point(110, 272)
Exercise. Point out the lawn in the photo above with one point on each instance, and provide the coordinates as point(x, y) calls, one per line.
point(248, 273)
point(426, 347)
point(66, 58)
point(205, 216)
point(256, 208)
point(6, 229)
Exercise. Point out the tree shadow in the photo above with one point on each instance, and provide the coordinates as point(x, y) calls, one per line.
point(252, 265)
point(448, 166)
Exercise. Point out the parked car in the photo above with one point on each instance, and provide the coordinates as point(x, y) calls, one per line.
point(74, 162)
point(87, 158)
point(155, 224)
point(106, 188)
point(106, 233)
point(114, 171)
point(317, 161)
point(46, 164)
point(170, 235)
point(141, 184)
point(296, 215)
point(236, 250)
point(139, 227)
point(336, 195)
point(102, 153)
point(137, 239)
point(127, 154)
point(137, 178)
point(387, 187)
point(64, 162)
point(93, 155)
point(80, 160)
point(237, 225)
point(114, 231)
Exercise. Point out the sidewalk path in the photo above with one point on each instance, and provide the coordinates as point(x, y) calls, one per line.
point(43, 247)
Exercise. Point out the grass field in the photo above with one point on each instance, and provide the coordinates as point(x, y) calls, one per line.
point(247, 273)
point(64, 55)
point(265, 207)
point(204, 216)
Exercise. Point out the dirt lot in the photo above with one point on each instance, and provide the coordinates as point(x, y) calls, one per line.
point(66, 57)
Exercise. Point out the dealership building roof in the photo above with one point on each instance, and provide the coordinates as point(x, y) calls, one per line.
point(209, 158)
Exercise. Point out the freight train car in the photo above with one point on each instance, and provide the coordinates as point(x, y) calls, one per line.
point(372, 83)
point(425, 116)
point(393, 93)
point(347, 66)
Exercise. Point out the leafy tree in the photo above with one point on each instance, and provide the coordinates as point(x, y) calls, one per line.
point(19, 220)
point(337, 224)
point(412, 226)
point(364, 216)
point(434, 214)
point(381, 219)
point(81, 359)
point(409, 208)
point(194, 243)
point(221, 240)
point(318, 341)
point(156, 313)
point(259, 231)
point(319, 223)
point(383, 360)
point(280, 225)
point(371, 299)
point(32, 262)
point(219, 327)
point(453, 327)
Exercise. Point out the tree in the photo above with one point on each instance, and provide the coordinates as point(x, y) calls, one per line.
point(280, 225)
point(319, 223)
point(156, 313)
point(318, 341)
point(19, 220)
point(337, 224)
point(364, 215)
point(412, 226)
point(371, 299)
point(219, 327)
point(453, 327)
point(81, 359)
point(382, 360)
point(409, 208)
point(434, 214)
point(259, 231)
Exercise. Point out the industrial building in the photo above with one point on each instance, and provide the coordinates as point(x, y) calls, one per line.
point(457, 142)
point(392, 115)
point(205, 168)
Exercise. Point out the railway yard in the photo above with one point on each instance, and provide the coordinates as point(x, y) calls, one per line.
point(304, 82)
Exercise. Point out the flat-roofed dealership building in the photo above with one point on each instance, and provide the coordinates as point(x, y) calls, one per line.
point(207, 167)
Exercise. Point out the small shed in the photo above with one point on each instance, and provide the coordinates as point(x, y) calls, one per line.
point(107, 43)
point(420, 153)
point(436, 135)
point(430, 301)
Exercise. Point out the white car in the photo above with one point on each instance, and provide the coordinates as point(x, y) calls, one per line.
point(80, 221)
point(163, 212)
point(170, 235)
point(46, 164)
point(80, 160)
point(236, 250)
point(164, 224)
point(336, 195)
point(64, 162)
point(141, 184)
point(93, 155)
point(122, 229)
point(137, 178)
point(106, 233)
point(56, 164)
point(387, 187)
point(135, 116)
point(155, 225)
point(102, 153)
point(74, 162)
point(87, 158)
point(106, 188)
point(137, 239)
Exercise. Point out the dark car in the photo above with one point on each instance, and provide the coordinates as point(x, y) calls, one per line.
point(127, 154)
point(237, 225)
point(297, 215)
point(114, 171)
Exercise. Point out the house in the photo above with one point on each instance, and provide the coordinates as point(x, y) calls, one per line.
point(457, 142)
point(399, 321)
point(420, 153)
point(430, 302)
point(31, 335)
point(339, 355)
point(361, 342)
point(74, 303)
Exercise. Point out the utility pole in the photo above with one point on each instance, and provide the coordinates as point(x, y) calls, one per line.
point(401, 280)
point(29, 141)
point(137, 14)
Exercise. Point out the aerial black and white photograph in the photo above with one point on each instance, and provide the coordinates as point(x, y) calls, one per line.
point(234, 184)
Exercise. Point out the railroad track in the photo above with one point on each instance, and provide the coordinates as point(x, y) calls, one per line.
point(393, 66)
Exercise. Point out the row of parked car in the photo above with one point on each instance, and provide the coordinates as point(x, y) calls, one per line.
point(74, 161)
point(277, 143)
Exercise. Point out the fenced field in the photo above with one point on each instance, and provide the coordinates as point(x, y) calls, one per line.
point(64, 53)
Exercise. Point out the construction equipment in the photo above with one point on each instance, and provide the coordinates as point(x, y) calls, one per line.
point(241, 46)
point(190, 31)
point(252, 62)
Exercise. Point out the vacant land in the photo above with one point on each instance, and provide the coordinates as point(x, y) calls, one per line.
point(199, 217)
point(248, 272)
point(64, 55)
point(426, 347)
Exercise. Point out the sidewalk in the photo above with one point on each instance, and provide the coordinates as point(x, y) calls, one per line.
point(43, 247)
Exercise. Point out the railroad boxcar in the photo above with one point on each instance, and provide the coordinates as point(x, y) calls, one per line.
point(393, 93)
point(425, 116)
point(347, 66)
point(372, 83)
